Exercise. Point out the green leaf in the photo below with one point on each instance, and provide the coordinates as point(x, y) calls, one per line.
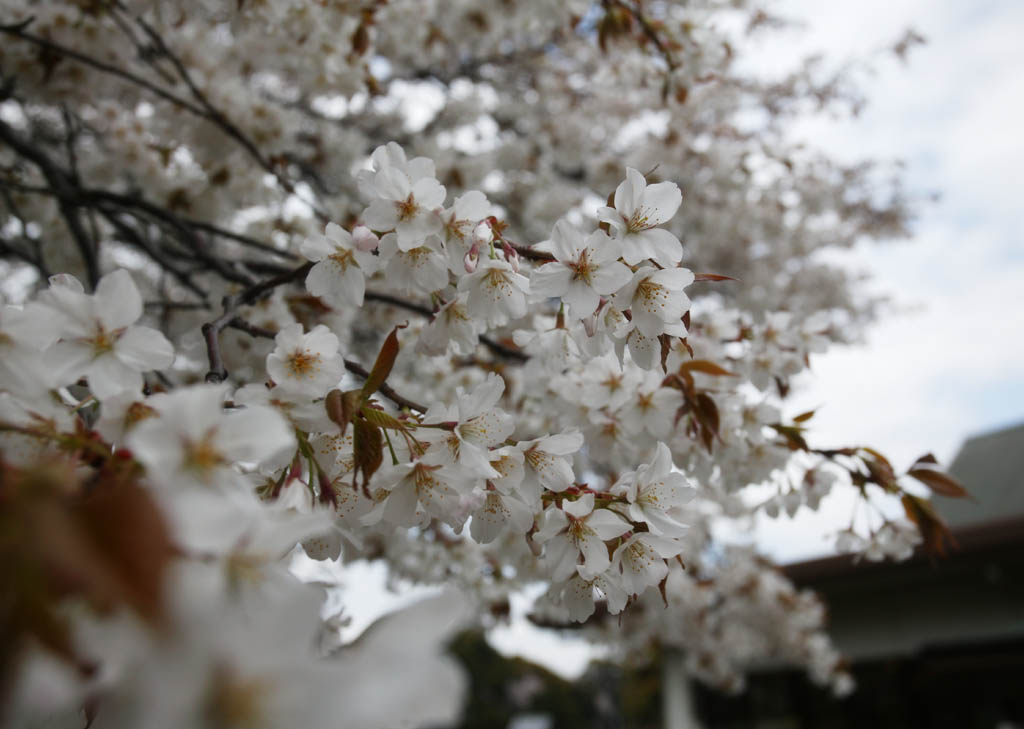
point(385, 361)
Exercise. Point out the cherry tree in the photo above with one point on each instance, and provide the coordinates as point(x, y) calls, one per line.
point(498, 294)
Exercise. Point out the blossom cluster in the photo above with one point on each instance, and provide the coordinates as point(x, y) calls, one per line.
point(209, 395)
point(243, 472)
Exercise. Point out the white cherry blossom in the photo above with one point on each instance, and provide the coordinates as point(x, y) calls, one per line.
point(410, 208)
point(656, 300)
point(639, 208)
point(98, 337)
point(306, 362)
point(654, 493)
point(584, 269)
point(497, 293)
point(193, 442)
point(341, 266)
point(419, 270)
point(640, 560)
point(451, 327)
point(575, 529)
point(476, 426)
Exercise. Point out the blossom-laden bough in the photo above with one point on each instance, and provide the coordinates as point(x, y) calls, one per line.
point(453, 360)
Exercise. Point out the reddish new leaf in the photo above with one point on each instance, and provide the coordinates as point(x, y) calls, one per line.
point(804, 417)
point(707, 367)
point(697, 277)
point(342, 407)
point(385, 361)
point(939, 482)
point(666, 350)
point(367, 449)
point(924, 460)
point(933, 530)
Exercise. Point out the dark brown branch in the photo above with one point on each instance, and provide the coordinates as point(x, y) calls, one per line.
point(530, 253)
point(399, 303)
point(203, 108)
point(18, 31)
point(649, 30)
point(131, 203)
point(492, 344)
point(64, 186)
point(231, 305)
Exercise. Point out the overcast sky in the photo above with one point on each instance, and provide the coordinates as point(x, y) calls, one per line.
point(950, 363)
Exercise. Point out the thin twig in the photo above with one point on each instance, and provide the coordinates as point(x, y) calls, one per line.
point(495, 346)
point(211, 330)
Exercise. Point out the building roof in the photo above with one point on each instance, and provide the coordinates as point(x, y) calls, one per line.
point(991, 468)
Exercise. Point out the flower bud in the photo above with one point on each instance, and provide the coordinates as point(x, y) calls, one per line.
point(512, 257)
point(483, 234)
point(364, 238)
point(469, 261)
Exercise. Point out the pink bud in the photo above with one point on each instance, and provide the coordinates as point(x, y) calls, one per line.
point(512, 257)
point(364, 239)
point(470, 259)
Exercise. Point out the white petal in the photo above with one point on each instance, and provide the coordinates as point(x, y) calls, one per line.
point(118, 302)
point(108, 376)
point(144, 348)
point(661, 201)
point(551, 279)
point(610, 277)
point(661, 246)
point(606, 524)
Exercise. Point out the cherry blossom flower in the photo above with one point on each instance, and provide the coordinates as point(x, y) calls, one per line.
point(656, 300)
point(407, 207)
point(654, 492)
point(554, 349)
point(584, 269)
point(578, 595)
point(498, 511)
point(575, 529)
point(341, 266)
point(306, 363)
point(606, 383)
point(496, 292)
point(193, 442)
point(419, 270)
point(651, 408)
point(458, 223)
point(452, 326)
point(477, 426)
point(548, 463)
point(418, 491)
point(639, 208)
point(640, 560)
point(97, 336)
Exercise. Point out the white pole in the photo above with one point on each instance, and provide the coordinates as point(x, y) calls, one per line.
point(677, 707)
